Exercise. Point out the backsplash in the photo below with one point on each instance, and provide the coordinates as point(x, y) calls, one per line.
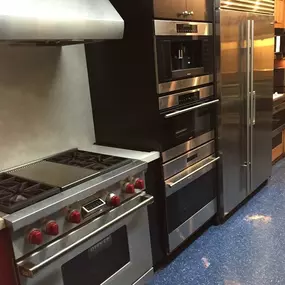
point(45, 104)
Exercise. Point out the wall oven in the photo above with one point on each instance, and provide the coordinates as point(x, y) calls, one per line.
point(190, 187)
point(186, 115)
point(184, 54)
point(109, 249)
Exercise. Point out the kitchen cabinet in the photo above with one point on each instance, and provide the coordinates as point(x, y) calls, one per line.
point(201, 10)
point(279, 14)
point(278, 146)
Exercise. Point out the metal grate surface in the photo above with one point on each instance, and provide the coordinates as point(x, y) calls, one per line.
point(257, 6)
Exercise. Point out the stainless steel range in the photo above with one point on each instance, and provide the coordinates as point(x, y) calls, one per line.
point(78, 217)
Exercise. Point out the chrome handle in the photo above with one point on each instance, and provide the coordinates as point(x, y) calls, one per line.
point(29, 270)
point(176, 113)
point(186, 13)
point(254, 108)
point(170, 184)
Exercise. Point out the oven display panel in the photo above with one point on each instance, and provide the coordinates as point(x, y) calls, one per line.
point(185, 28)
point(99, 262)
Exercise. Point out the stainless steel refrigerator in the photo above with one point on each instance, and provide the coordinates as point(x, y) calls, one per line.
point(245, 63)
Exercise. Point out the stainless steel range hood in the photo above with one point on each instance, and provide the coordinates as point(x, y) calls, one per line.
point(59, 21)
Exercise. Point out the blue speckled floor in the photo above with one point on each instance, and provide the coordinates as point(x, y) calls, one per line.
point(249, 249)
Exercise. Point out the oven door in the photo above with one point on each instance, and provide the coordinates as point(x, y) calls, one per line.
point(184, 53)
point(278, 118)
point(191, 200)
point(112, 249)
point(181, 125)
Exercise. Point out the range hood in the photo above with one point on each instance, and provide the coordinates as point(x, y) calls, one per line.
point(59, 21)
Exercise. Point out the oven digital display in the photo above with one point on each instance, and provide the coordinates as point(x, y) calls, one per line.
point(189, 98)
point(186, 28)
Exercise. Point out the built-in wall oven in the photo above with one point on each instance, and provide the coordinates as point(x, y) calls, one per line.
point(184, 54)
point(189, 160)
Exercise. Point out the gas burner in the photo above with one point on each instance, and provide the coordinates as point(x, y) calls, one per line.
point(89, 160)
point(17, 193)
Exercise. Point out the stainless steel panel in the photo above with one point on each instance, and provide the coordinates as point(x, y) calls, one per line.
point(190, 174)
point(139, 247)
point(246, 148)
point(184, 83)
point(260, 6)
point(75, 20)
point(187, 146)
point(182, 111)
point(54, 174)
point(169, 28)
point(49, 206)
point(172, 100)
point(145, 278)
point(184, 161)
point(192, 225)
point(233, 129)
point(263, 66)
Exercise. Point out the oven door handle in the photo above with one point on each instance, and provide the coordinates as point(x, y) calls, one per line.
point(173, 184)
point(29, 270)
point(176, 113)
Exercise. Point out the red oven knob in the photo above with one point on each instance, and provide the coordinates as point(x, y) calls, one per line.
point(74, 217)
point(139, 184)
point(52, 228)
point(35, 237)
point(113, 200)
point(129, 188)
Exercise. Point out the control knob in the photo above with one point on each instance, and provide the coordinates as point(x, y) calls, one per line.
point(35, 237)
point(52, 228)
point(74, 217)
point(113, 200)
point(139, 184)
point(129, 188)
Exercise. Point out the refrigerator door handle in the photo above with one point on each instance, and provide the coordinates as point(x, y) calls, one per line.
point(252, 102)
point(253, 107)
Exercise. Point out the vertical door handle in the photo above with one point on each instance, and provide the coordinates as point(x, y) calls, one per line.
point(253, 107)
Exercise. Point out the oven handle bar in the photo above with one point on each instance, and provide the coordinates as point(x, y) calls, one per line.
point(29, 270)
point(176, 113)
point(171, 185)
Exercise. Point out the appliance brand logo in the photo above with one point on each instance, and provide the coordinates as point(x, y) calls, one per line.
point(100, 246)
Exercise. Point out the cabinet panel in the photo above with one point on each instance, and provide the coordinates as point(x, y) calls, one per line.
point(169, 9)
point(202, 10)
point(279, 14)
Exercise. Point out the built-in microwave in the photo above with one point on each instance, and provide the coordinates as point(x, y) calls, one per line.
point(184, 54)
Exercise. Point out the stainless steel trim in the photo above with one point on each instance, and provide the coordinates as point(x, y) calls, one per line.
point(187, 146)
point(261, 6)
point(182, 162)
point(176, 113)
point(51, 205)
point(169, 28)
point(29, 270)
point(252, 93)
point(190, 226)
point(173, 182)
point(184, 83)
point(145, 278)
point(248, 113)
point(190, 174)
point(172, 100)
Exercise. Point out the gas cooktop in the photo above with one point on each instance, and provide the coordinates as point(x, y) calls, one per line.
point(27, 185)
point(89, 160)
point(17, 193)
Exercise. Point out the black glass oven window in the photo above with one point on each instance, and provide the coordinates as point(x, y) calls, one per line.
point(184, 203)
point(98, 263)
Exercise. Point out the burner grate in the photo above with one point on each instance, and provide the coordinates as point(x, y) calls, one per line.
point(17, 193)
point(89, 160)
